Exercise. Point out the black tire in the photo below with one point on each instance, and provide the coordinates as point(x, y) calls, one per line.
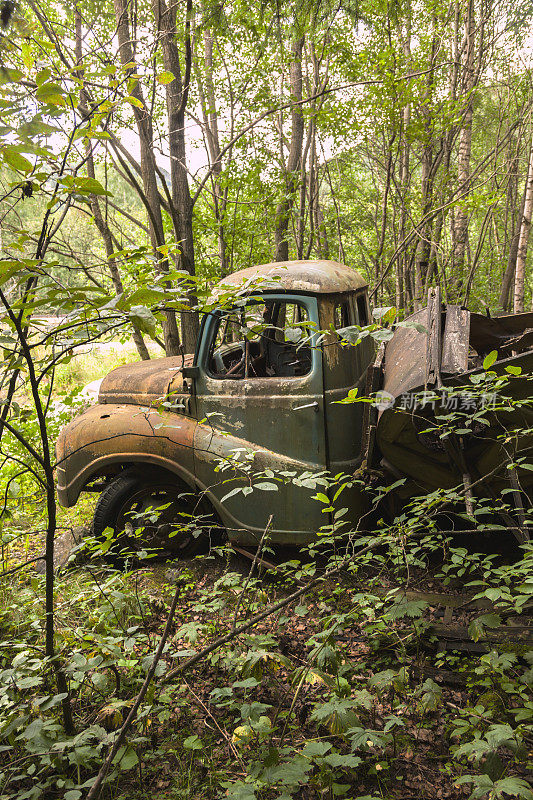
point(173, 531)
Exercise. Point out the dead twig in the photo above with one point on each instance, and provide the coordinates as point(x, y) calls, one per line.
point(222, 732)
point(252, 565)
point(21, 566)
point(267, 612)
point(95, 788)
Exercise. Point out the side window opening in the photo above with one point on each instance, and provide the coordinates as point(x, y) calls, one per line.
point(342, 316)
point(261, 340)
point(362, 310)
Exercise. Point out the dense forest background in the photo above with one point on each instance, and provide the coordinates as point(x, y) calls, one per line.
point(393, 136)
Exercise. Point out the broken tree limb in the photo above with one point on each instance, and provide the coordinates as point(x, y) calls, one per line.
point(267, 613)
point(95, 788)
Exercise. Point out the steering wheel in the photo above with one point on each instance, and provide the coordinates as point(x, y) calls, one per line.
point(221, 366)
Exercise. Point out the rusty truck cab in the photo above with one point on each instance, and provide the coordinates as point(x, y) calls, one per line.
point(248, 424)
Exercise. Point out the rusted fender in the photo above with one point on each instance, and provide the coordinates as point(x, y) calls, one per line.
point(108, 436)
point(144, 382)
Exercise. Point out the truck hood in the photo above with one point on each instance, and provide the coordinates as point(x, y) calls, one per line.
point(144, 383)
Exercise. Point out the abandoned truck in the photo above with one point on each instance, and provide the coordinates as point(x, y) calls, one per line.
point(211, 433)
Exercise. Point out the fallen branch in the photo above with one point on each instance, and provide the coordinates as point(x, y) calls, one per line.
point(95, 788)
point(21, 566)
point(267, 612)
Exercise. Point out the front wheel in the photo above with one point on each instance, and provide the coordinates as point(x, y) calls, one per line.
point(152, 513)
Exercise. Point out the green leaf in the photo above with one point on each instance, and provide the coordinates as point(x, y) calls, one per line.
point(90, 185)
point(476, 630)
point(322, 497)
point(16, 160)
point(290, 773)
point(339, 760)
point(493, 594)
point(51, 93)
point(513, 370)
point(8, 75)
point(134, 101)
point(8, 269)
point(143, 296)
point(231, 494)
point(165, 77)
point(193, 743)
point(386, 313)
point(337, 715)
point(382, 335)
point(143, 318)
point(126, 758)
point(316, 749)
point(490, 620)
point(266, 486)
point(239, 791)
point(42, 76)
point(515, 787)
point(489, 359)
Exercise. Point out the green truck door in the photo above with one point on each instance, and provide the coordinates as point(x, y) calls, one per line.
point(259, 400)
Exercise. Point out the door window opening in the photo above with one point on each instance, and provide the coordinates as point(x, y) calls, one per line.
point(261, 340)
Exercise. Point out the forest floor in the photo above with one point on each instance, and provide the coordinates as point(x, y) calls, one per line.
point(346, 691)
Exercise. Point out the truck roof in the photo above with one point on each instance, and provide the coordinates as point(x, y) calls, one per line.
point(313, 277)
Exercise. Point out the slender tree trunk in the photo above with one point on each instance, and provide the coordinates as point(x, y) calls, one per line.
point(403, 288)
point(177, 92)
point(295, 154)
point(460, 225)
point(313, 193)
point(304, 186)
point(384, 209)
point(45, 462)
point(151, 199)
point(209, 110)
point(426, 179)
point(508, 275)
point(525, 226)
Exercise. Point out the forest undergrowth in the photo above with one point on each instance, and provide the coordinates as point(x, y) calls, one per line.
point(346, 691)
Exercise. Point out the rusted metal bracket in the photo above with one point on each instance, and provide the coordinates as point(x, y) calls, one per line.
point(374, 380)
point(434, 339)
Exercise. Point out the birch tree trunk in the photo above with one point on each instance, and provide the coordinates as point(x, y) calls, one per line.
point(460, 220)
point(402, 276)
point(294, 159)
point(525, 226)
point(426, 181)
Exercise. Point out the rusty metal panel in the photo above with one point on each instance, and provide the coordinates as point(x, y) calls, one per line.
point(112, 434)
point(405, 363)
point(456, 340)
point(144, 382)
point(508, 332)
